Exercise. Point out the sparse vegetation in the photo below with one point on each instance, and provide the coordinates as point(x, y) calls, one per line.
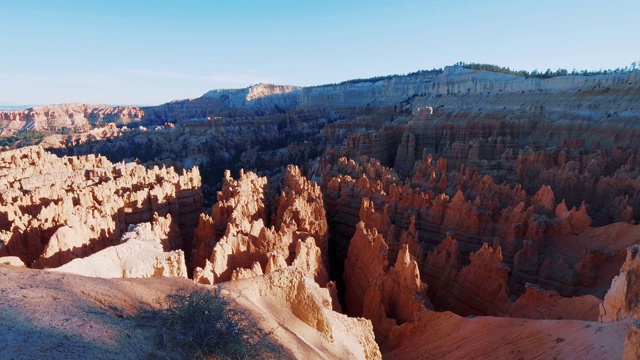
point(546, 74)
point(204, 324)
point(500, 69)
point(24, 138)
point(434, 71)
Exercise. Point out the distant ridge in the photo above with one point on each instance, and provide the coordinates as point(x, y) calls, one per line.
point(15, 107)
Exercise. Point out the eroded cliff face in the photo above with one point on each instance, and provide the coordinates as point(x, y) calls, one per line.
point(73, 117)
point(477, 243)
point(387, 295)
point(242, 238)
point(300, 300)
point(257, 100)
point(476, 114)
point(476, 118)
point(276, 251)
point(87, 216)
point(57, 209)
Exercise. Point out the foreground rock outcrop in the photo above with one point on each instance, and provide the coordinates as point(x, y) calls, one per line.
point(300, 300)
point(96, 318)
point(141, 253)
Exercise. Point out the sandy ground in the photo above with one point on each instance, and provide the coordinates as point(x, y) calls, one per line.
point(50, 315)
point(47, 315)
point(449, 336)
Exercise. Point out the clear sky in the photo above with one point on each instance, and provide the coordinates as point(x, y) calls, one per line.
point(148, 52)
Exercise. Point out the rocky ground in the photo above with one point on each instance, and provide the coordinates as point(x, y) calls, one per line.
point(60, 315)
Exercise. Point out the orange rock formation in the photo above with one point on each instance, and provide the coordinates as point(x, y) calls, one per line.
point(622, 299)
point(236, 241)
point(75, 117)
point(58, 209)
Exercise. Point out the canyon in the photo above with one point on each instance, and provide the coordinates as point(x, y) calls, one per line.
point(440, 214)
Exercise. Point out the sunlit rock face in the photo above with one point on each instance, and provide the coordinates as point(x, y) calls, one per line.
point(145, 251)
point(57, 209)
point(72, 117)
point(242, 238)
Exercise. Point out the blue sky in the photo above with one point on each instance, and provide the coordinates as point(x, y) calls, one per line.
point(150, 52)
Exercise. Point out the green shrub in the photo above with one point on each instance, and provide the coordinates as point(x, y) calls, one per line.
point(202, 323)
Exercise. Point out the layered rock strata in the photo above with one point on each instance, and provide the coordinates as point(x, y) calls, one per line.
point(73, 117)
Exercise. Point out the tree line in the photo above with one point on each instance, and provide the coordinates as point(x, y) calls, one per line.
point(504, 70)
point(549, 73)
point(434, 71)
